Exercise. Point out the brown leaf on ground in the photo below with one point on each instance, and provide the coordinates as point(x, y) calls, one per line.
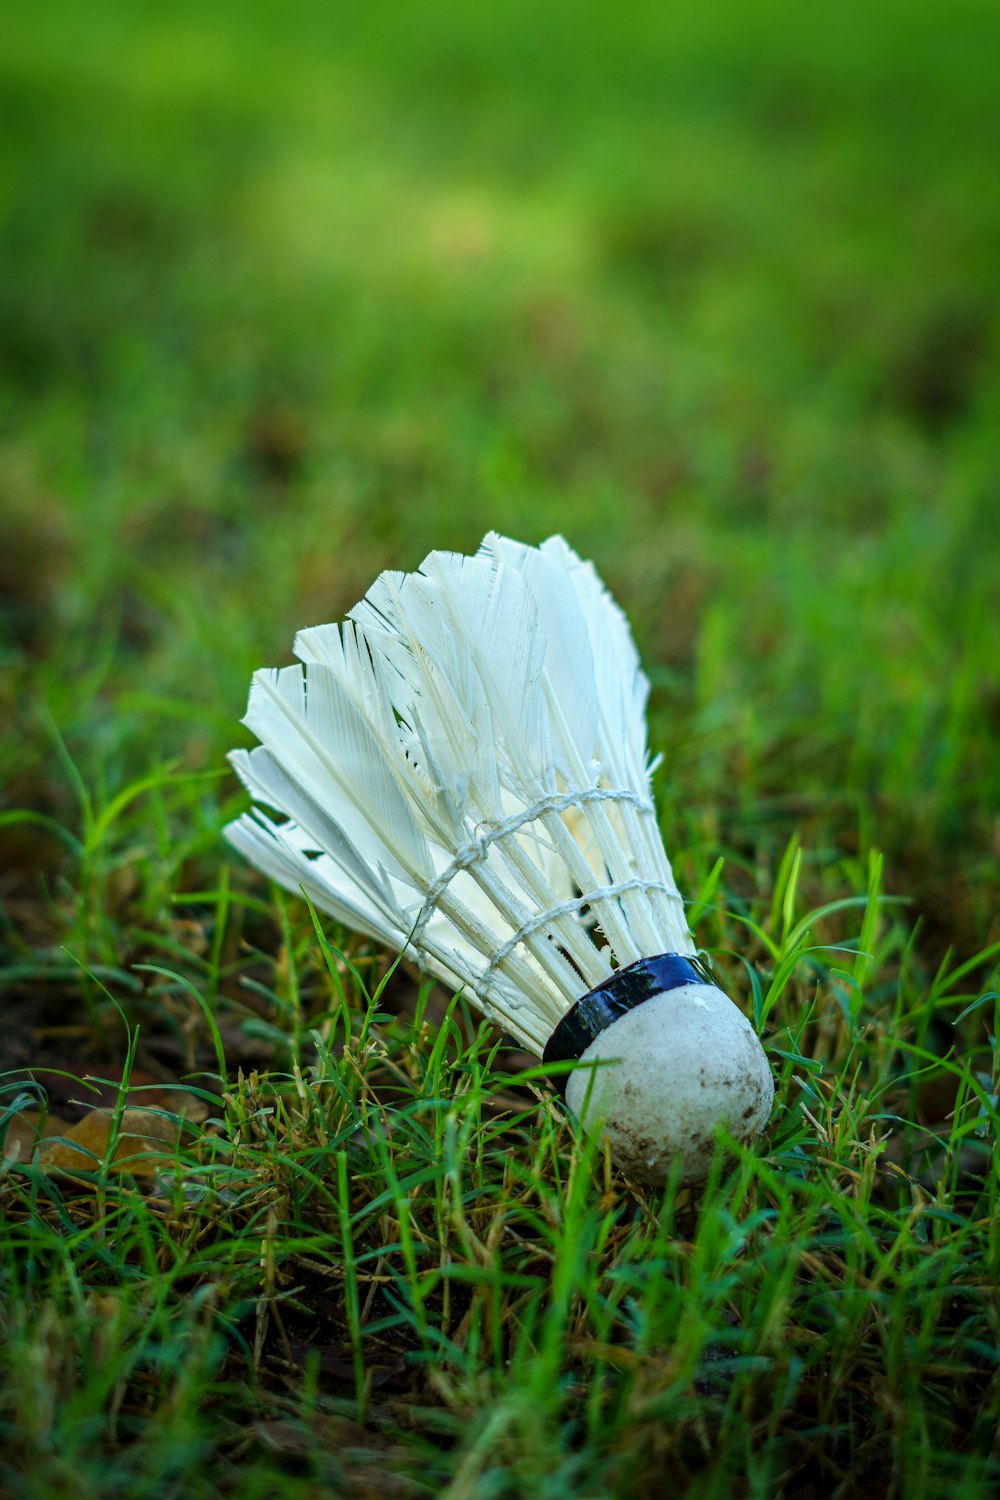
point(371, 1463)
point(74, 1083)
point(144, 1140)
point(322, 1431)
point(26, 1130)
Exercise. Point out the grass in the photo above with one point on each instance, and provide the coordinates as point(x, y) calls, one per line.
point(294, 294)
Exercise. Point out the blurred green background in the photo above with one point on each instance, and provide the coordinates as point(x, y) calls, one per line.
point(293, 292)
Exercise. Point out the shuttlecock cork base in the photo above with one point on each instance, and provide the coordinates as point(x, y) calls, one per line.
point(667, 1059)
point(461, 773)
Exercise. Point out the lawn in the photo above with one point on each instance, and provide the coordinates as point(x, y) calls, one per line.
point(292, 294)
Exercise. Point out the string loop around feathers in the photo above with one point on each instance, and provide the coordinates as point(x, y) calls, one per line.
point(478, 848)
point(567, 909)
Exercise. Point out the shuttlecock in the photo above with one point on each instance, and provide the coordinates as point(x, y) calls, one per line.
point(463, 774)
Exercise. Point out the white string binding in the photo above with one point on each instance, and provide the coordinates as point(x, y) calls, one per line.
point(478, 850)
point(543, 919)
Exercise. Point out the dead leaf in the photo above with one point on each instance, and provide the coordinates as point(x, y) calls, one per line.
point(70, 1084)
point(144, 1140)
point(335, 1434)
point(25, 1131)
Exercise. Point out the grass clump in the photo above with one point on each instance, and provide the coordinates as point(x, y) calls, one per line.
point(395, 1255)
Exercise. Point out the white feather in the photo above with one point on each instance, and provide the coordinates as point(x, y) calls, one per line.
point(463, 770)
